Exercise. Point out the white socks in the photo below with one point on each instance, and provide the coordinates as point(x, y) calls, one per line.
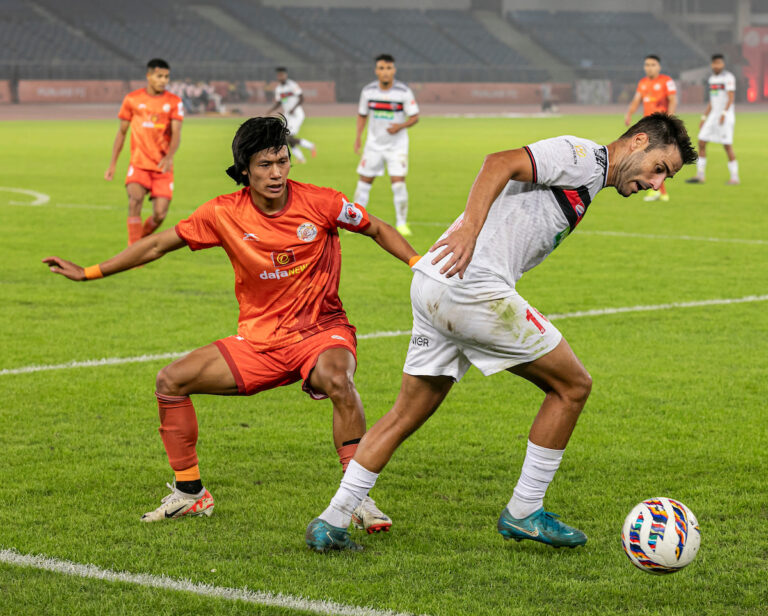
point(539, 469)
point(304, 143)
point(701, 167)
point(362, 193)
point(296, 151)
point(733, 168)
point(400, 197)
point(355, 485)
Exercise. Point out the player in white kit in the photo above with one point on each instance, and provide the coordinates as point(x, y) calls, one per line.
point(290, 97)
point(392, 109)
point(718, 121)
point(466, 311)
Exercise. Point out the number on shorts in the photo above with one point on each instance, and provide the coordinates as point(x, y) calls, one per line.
point(529, 317)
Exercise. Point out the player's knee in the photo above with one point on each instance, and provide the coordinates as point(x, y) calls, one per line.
point(340, 387)
point(579, 387)
point(167, 384)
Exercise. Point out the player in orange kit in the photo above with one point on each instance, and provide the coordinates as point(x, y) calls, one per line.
point(282, 239)
point(154, 116)
point(658, 93)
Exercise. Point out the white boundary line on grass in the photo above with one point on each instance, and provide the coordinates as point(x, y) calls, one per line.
point(65, 567)
point(112, 361)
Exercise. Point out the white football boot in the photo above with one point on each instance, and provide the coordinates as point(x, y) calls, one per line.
point(368, 517)
point(178, 504)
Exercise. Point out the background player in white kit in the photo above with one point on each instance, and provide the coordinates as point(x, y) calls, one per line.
point(290, 97)
point(522, 205)
point(392, 109)
point(718, 120)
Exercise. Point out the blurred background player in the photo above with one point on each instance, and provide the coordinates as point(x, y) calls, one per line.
point(290, 97)
point(658, 93)
point(389, 102)
point(282, 239)
point(718, 120)
point(154, 116)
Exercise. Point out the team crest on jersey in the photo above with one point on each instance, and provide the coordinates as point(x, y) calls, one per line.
point(350, 214)
point(306, 232)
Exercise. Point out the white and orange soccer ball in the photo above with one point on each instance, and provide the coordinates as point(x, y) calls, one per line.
point(661, 535)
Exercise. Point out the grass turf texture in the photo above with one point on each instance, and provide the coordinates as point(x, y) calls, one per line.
point(676, 410)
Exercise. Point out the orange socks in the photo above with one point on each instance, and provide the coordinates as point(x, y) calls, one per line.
point(347, 452)
point(178, 429)
point(149, 226)
point(134, 229)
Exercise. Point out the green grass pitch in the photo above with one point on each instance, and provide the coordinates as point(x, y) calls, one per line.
point(677, 409)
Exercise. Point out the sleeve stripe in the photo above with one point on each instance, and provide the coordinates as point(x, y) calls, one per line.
point(533, 163)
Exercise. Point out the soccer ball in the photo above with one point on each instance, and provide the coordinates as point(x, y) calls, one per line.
point(660, 535)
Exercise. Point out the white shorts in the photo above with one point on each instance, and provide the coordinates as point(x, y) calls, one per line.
point(457, 326)
point(295, 120)
point(372, 163)
point(714, 132)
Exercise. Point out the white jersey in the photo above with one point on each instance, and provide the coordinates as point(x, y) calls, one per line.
point(385, 107)
point(529, 220)
point(719, 87)
point(288, 95)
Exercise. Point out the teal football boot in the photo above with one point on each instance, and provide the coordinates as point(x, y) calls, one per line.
point(540, 526)
point(322, 537)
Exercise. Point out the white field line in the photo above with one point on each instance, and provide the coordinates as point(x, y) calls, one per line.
point(112, 361)
point(65, 567)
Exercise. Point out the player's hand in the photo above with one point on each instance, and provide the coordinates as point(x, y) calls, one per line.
point(722, 119)
point(357, 146)
point(627, 120)
point(394, 128)
point(109, 174)
point(461, 246)
point(165, 164)
point(65, 268)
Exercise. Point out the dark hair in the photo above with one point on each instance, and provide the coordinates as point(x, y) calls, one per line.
point(281, 69)
point(663, 130)
point(385, 57)
point(653, 56)
point(157, 63)
point(718, 56)
point(256, 135)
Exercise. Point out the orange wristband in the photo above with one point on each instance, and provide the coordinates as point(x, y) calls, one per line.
point(413, 260)
point(93, 271)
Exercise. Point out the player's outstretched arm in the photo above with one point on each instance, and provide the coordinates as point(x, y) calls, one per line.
point(386, 236)
point(117, 147)
point(497, 170)
point(147, 249)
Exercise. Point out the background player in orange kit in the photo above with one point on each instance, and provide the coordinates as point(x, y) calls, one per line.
point(154, 116)
point(658, 93)
point(282, 239)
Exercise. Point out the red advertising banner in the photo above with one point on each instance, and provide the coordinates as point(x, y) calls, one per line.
point(489, 93)
point(755, 51)
point(64, 91)
point(5, 92)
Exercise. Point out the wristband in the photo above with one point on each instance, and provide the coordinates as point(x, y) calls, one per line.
point(704, 117)
point(93, 271)
point(413, 260)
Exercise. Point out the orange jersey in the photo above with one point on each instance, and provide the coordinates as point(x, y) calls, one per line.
point(150, 118)
point(655, 93)
point(287, 265)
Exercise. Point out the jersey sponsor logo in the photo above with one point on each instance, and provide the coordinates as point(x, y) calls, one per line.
point(420, 341)
point(560, 237)
point(142, 106)
point(337, 337)
point(306, 232)
point(385, 105)
point(250, 237)
point(580, 150)
point(283, 258)
point(573, 203)
point(350, 214)
point(283, 273)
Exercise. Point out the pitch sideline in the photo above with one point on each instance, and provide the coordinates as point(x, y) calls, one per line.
point(258, 597)
point(112, 361)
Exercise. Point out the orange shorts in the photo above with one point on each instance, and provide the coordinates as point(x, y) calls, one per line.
point(256, 371)
point(158, 184)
